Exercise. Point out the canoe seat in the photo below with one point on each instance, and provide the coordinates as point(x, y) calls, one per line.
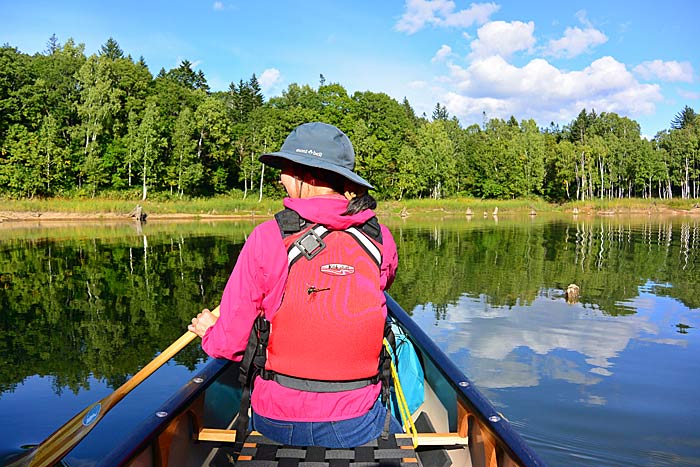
point(260, 451)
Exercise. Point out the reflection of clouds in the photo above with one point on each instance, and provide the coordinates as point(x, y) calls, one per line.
point(502, 374)
point(498, 340)
point(568, 370)
point(601, 371)
point(594, 400)
point(678, 342)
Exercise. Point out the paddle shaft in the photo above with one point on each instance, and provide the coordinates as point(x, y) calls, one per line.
point(53, 448)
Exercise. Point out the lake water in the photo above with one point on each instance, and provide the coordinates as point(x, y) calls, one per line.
point(612, 379)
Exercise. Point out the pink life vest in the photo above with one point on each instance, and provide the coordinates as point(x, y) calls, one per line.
point(330, 324)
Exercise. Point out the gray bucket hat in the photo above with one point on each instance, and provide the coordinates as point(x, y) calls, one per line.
point(318, 145)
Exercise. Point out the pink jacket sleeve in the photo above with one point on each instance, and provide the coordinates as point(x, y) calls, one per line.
point(256, 285)
point(390, 259)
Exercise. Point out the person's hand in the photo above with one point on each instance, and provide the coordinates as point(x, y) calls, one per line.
point(202, 322)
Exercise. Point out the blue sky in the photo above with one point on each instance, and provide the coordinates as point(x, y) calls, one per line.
point(544, 60)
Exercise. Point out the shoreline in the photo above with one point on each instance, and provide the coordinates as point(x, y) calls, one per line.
point(57, 217)
point(24, 216)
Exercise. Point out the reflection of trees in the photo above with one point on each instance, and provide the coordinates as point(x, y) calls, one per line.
point(75, 308)
point(510, 264)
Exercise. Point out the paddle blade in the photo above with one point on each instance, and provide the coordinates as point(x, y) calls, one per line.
point(56, 446)
point(62, 440)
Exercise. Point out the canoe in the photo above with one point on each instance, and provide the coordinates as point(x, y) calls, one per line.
point(457, 425)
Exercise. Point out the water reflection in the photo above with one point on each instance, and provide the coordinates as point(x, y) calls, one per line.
point(492, 342)
point(510, 263)
point(609, 380)
point(490, 291)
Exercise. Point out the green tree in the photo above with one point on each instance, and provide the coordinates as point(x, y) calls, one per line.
point(111, 50)
point(214, 142)
point(265, 131)
point(148, 143)
point(52, 45)
point(649, 169)
point(503, 168)
point(185, 76)
point(335, 104)
point(15, 75)
point(436, 159)
point(54, 155)
point(440, 113)
point(389, 126)
point(296, 96)
point(243, 98)
point(684, 118)
point(185, 170)
point(99, 103)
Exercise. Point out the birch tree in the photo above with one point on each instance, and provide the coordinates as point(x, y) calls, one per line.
point(148, 143)
point(99, 102)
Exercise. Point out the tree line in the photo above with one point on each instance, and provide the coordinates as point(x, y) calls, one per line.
point(73, 125)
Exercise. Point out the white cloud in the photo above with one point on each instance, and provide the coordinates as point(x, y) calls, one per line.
point(218, 6)
point(541, 91)
point(478, 13)
point(666, 71)
point(503, 38)
point(582, 16)
point(575, 42)
point(268, 79)
point(444, 52)
point(420, 13)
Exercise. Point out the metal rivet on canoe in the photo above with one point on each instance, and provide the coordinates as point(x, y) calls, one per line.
point(494, 418)
point(464, 384)
point(197, 380)
point(161, 414)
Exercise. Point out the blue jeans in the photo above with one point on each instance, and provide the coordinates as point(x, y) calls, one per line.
point(341, 434)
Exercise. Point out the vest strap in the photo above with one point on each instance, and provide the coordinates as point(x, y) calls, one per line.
point(253, 361)
point(314, 385)
point(366, 245)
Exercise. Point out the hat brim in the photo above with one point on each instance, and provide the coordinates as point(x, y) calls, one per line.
point(275, 159)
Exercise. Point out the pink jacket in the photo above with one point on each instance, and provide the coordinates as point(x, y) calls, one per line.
point(257, 284)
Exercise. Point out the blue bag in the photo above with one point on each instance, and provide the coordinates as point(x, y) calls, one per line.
point(410, 372)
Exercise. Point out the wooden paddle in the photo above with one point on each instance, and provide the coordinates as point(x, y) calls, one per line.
point(53, 448)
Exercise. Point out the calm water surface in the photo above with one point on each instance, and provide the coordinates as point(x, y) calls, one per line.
point(610, 380)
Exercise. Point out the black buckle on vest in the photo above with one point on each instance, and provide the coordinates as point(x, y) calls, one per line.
point(310, 244)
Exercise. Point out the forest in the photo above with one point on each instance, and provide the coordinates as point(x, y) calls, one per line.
point(103, 125)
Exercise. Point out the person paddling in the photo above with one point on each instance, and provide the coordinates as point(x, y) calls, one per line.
point(315, 276)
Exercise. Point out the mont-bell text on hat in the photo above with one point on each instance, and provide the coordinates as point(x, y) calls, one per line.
point(309, 151)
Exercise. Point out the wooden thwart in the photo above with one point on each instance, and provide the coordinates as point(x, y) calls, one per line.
point(438, 439)
point(424, 439)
